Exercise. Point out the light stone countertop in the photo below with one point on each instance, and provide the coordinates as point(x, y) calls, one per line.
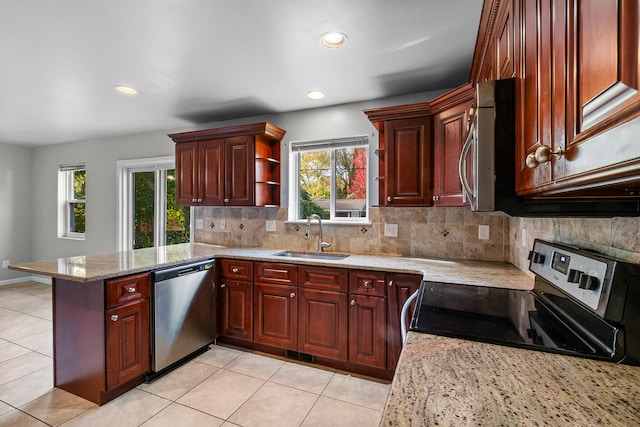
point(452, 382)
point(90, 268)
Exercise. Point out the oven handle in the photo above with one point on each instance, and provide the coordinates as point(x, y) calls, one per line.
point(403, 315)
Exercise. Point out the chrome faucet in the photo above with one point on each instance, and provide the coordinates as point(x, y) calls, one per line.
point(321, 244)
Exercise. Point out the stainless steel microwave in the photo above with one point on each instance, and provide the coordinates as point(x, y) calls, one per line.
point(490, 143)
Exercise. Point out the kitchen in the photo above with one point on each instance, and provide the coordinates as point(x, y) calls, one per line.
point(451, 231)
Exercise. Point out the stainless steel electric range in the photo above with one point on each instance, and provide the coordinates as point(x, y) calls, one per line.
point(583, 304)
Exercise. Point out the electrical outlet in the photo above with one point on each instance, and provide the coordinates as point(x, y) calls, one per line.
point(271, 225)
point(483, 232)
point(199, 223)
point(5, 263)
point(391, 230)
point(223, 224)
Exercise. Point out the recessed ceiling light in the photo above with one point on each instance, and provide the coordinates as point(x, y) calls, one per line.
point(333, 39)
point(126, 90)
point(315, 94)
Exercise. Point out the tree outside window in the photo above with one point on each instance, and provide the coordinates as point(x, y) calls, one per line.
point(332, 180)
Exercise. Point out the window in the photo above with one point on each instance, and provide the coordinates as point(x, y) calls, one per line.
point(148, 214)
point(329, 178)
point(72, 190)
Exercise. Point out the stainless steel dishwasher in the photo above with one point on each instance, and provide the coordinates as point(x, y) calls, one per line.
point(183, 314)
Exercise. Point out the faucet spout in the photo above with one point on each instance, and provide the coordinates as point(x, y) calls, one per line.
point(321, 244)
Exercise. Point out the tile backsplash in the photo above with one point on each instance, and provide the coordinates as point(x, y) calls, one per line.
point(422, 232)
point(617, 237)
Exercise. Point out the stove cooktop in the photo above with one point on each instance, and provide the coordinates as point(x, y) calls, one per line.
point(581, 306)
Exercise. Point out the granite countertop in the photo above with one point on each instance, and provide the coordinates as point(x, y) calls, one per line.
point(98, 267)
point(453, 382)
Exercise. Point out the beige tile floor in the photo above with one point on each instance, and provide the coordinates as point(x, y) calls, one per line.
point(222, 387)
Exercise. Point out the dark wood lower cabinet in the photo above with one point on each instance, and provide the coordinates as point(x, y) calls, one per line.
point(399, 289)
point(322, 325)
point(275, 313)
point(236, 312)
point(348, 319)
point(101, 336)
point(127, 342)
point(367, 330)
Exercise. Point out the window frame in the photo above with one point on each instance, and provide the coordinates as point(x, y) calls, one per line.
point(125, 170)
point(66, 179)
point(298, 147)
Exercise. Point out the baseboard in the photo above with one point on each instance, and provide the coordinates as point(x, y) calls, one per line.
point(40, 279)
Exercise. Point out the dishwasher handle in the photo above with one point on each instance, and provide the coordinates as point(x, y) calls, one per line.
point(181, 270)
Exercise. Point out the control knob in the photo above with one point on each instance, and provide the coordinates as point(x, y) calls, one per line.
point(536, 257)
point(589, 283)
point(574, 276)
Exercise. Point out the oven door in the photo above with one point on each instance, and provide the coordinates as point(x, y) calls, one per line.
point(559, 323)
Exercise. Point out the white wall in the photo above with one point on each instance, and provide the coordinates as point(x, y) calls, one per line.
point(100, 157)
point(15, 207)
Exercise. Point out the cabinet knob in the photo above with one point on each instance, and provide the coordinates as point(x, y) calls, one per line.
point(390, 283)
point(435, 198)
point(131, 290)
point(226, 200)
point(389, 198)
point(292, 294)
point(194, 200)
point(222, 285)
point(543, 154)
point(235, 270)
point(114, 317)
point(199, 200)
point(367, 284)
point(353, 302)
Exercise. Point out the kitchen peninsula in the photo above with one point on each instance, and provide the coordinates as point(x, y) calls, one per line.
point(90, 291)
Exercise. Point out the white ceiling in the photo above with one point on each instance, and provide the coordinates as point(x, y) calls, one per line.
point(199, 61)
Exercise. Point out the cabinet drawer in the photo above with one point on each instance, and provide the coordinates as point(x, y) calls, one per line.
point(367, 282)
point(128, 288)
point(269, 272)
point(323, 278)
point(236, 269)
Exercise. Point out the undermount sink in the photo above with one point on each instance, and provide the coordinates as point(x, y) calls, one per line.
point(316, 255)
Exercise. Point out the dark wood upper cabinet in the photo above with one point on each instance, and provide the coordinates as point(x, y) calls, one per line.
point(419, 149)
point(577, 68)
point(405, 176)
point(408, 166)
point(231, 166)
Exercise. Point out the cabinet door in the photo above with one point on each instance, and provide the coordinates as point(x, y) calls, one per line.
point(450, 131)
point(128, 354)
point(211, 172)
point(603, 87)
point(236, 309)
point(408, 162)
point(239, 171)
point(504, 47)
point(533, 98)
point(275, 309)
point(399, 289)
point(367, 331)
point(187, 180)
point(322, 323)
